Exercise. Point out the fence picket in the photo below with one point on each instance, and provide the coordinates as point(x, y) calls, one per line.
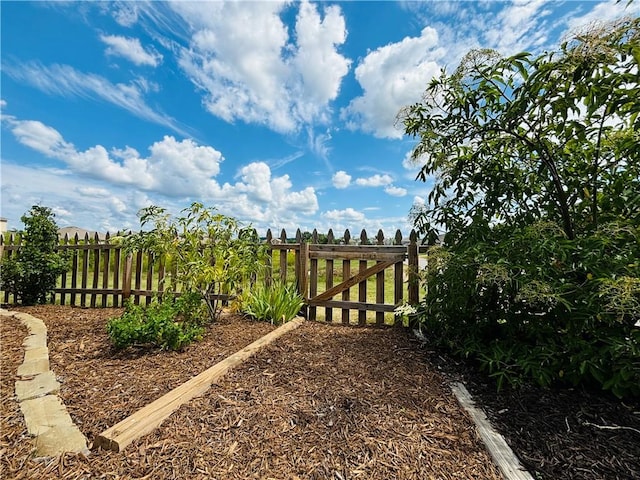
point(362, 287)
point(346, 274)
point(380, 283)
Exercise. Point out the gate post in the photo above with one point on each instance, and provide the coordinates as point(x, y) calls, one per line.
point(303, 271)
point(412, 260)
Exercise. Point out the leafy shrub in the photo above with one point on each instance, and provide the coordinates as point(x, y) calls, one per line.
point(277, 303)
point(531, 304)
point(208, 253)
point(31, 273)
point(535, 163)
point(171, 324)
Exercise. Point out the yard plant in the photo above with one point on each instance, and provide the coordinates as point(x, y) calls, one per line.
point(31, 273)
point(204, 252)
point(171, 324)
point(277, 303)
point(537, 187)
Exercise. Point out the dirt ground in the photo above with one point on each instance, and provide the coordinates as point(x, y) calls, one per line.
point(322, 402)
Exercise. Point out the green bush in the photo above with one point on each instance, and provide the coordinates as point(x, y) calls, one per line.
point(535, 163)
point(527, 303)
point(277, 303)
point(31, 273)
point(171, 324)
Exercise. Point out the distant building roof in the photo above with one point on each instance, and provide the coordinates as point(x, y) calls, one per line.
point(81, 232)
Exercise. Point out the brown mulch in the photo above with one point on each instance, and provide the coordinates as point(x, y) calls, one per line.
point(569, 434)
point(322, 402)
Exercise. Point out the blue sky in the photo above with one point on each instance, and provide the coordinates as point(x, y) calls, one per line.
point(281, 114)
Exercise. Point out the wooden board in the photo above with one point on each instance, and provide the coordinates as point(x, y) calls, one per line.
point(152, 415)
point(500, 451)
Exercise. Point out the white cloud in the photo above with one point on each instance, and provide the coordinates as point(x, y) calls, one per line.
point(249, 68)
point(395, 191)
point(393, 76)
point(604, 12)
point(125, 13)
point(23, 186)
point(66, 81)
point(131, 49)
point(341, 179)
point(346, 215)
point(376, 180)
point(396, 75)
point(316, 60)
point(173, 167)
point(518, 26)
point(175, 170)
point(411, 164)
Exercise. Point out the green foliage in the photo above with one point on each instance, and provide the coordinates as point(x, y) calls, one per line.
point(522, 138)
point(277, 303)
point(203, 251)
point(31, 273)
point(538, 190)
point(171, 324)
point(530, 303)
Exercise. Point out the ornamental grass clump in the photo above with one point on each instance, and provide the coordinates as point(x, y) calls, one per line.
point(277, 303)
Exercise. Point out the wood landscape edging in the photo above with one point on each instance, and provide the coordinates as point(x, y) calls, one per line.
point(149, 417)
point(502, 455)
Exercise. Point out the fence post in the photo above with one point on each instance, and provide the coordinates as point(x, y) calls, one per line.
point(302, 281)
point(398, 274)
point(126, 281)
point(412, 255)
point(346, 274)
point(269, 260)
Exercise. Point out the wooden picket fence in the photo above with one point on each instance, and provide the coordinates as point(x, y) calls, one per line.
point(369, 277)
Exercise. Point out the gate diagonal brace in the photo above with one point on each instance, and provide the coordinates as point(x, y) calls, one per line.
point(359, 277)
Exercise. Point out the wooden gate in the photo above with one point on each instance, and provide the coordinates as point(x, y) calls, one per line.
point(365, 281)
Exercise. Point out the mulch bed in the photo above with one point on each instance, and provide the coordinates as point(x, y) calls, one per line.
point(569, 434)
point(322, 402)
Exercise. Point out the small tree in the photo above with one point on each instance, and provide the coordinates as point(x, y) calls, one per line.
point(32, 272)
point(205, 252)
point(537, 185)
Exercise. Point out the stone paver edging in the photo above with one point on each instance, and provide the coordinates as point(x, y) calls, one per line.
point(44, 413)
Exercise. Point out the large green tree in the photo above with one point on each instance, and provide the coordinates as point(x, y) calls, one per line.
point(535, 163)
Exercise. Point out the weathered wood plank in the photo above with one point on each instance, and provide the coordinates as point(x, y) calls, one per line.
point(96, 273)
point(328, 287)
point(313, 286)
point(346, 274)
point(377, 256)
point(106, 258)
point(152, 415)
point(85, 271)
point(316, 249)
point(362, 293)
point(412, 267)
point(360, 276)
point(500, 451)
point(138, 276)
